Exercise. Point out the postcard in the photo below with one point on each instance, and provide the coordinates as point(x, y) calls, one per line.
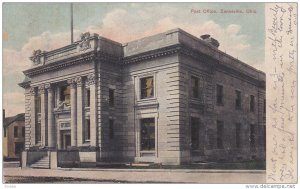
point(202, 93)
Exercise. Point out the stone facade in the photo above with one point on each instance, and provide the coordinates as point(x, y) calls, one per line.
point(150, 100)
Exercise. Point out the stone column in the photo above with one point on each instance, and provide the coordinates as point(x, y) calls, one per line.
point(93, 113)
point(73, 112)
point(32, 116)
point(51, 125)
point(43, 114)
point(80, 111)
point(58, 137)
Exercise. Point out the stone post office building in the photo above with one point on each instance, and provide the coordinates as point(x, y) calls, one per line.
point(171, 98)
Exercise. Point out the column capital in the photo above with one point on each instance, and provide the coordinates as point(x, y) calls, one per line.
point(41, 88)
point(49, 87)
point(91, 79)
point(78, 80)
point(32, 91)
point(72, 82)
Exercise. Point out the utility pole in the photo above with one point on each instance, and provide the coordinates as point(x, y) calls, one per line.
point(71, 23)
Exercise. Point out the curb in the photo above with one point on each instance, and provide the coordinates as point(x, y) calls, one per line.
point(165, 170)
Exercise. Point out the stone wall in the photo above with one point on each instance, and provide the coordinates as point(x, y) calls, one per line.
point(28, 129)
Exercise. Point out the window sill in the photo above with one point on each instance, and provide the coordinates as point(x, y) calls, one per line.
point(149, 103)
point(147, 99)
point(86, 143)
point(147, 153)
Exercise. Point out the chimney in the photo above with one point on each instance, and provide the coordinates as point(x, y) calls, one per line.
point(212, 41)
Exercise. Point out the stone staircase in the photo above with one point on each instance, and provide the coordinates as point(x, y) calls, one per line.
point(43, 163)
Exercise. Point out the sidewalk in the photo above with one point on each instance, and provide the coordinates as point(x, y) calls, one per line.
point(145, 176)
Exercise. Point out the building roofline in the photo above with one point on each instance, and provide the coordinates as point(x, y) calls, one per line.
point(181, 31)
point(216, 49)
point(9, 120)
point(216, 53)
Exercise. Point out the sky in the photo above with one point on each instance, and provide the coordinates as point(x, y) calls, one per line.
point(46, 26)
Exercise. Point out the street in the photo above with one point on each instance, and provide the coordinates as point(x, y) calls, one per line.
point(96, 175)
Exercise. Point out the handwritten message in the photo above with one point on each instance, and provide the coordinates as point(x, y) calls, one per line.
point(281, 59)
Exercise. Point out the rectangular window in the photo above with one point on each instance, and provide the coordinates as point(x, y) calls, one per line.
point(148, 134)
point(38, 104)
point(238, 100)
point(219, 95)
point(147, 89)
point(238, 135)
point(65, 95)
point(15, 132)
point(87, 130)
point(111, 128)
point(38, 132)
point(195, 87)
point(252, 103)
point(111, 97)
point(88, 97)
point(252, 136)
point(23, 132)
point(195, 133)
point(220, 130)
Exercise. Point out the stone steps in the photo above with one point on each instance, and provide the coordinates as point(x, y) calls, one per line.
point(43, 163)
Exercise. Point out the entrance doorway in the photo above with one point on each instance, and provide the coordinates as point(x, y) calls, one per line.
point(66, 140)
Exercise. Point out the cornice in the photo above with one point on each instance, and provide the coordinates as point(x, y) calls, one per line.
point(182, 49)
point(78, 59)
point(151, 54)
point(25, 85)
point(60, 64)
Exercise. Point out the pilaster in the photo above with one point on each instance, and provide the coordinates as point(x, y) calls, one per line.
point(93, 103)
point(73, 112)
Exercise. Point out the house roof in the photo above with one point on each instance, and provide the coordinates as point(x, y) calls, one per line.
point(10, 120)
